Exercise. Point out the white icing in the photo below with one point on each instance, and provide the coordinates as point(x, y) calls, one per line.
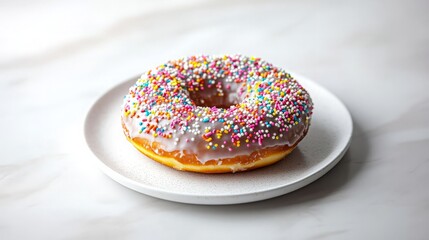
point(192, 142)
point(198, 146)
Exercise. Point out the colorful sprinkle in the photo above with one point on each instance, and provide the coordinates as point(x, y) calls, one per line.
point(228, 102)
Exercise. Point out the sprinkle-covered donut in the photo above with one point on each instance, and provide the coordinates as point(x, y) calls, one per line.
point(216, 114)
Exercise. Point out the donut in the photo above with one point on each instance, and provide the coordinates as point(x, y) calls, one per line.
point(216, 114)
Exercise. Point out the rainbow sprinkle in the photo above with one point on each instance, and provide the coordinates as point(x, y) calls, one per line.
point(230, 102)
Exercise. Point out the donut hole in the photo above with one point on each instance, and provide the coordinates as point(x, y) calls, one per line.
point(219, 97)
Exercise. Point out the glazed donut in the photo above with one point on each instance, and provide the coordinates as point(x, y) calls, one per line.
point(216, 114)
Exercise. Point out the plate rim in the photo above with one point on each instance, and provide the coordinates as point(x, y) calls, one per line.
point(214, 199)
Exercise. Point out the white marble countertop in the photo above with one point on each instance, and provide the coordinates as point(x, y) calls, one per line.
point(58, 57)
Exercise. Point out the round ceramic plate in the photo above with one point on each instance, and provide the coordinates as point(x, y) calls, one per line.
point(325, 144)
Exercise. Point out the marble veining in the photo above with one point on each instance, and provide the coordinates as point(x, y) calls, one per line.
point(58, 57)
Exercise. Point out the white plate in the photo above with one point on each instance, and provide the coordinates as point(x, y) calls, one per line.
point(325, 144)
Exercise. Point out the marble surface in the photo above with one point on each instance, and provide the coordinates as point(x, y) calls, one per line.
point(58, 57)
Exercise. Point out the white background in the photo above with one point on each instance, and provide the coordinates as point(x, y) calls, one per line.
point(58, 57)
